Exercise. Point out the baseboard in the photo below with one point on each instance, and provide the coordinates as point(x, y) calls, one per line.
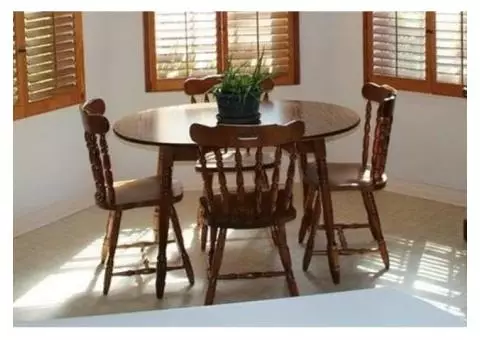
point(427, 191)
point(49, 214)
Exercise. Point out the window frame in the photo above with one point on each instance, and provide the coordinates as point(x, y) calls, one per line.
point(430, 84)
point(63, 97)
point(152, 84)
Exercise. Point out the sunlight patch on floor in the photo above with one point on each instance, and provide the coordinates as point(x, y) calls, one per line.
point(84, 275)
point(56, 289)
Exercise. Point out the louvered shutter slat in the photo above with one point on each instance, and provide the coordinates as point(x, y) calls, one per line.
point(51, 55)
point(48, 62)
point(451, 47)
point(417, 51)
point(250, 33)
point(399, 44)
point(15, 80)
point(185, 44)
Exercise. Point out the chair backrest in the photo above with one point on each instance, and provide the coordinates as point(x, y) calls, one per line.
point(215, 139)
point(96, 126)
point(202, 87)
point(384, 97)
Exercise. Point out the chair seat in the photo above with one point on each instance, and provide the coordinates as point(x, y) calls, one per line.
point(345, 176)
point(247, 219)
point(228, 158)
point(143, 192)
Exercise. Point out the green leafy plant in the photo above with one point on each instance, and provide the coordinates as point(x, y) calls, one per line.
point(239, 82)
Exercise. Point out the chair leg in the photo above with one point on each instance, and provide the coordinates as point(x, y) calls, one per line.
point(369, 214)
point(327, 207)
point(274, 235)
point(181, 246)
point(214, 268)
point(213, 241)
point(162, 242)
point(200, 216)
point(202, 225)
point(200, 213)
point(307, 214)
point(203, 237)
point(286, 259)
point(302, 168)
point(106, 239)
point(377, 229)
point(112, 246)
point(155, 223)
point(307, 256)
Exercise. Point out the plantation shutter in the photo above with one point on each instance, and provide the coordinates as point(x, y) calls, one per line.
point(417, 51)
point(399, 40)
point(451, 47)
point(15, 80)
point(249, 33)
point(49, 47)
point(185, 44)
point(179, 45)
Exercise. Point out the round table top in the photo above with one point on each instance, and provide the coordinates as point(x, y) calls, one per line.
point(171, 125)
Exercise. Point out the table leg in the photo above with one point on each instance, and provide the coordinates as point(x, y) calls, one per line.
point(155, 224)
point(332, 250)
point(302, 167)
point(165, 164)
point(155, 213)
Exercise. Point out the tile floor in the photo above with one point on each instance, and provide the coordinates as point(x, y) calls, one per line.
point(56, 272)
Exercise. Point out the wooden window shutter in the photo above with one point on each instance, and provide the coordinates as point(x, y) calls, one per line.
point(396, 49)
point(15, 79)
point(274, 33)
point(49, 61)
point(450, 53)
point(184, 44)
point(416, 51)
point(179, 45)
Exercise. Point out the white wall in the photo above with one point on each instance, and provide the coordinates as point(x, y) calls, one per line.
point(428, 144)
point(51, 169)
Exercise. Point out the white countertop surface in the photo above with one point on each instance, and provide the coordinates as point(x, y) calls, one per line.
point(378, 307)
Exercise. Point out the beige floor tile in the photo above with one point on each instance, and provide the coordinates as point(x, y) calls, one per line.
point(56, 271)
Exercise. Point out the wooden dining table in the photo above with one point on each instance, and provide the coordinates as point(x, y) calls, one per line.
point(168, 129)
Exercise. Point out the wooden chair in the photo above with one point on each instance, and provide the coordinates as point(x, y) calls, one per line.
point(241, 207)
point(117, 197)
point(365, 177)
point(197, 87)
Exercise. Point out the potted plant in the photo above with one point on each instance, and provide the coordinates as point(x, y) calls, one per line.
point(238, 94)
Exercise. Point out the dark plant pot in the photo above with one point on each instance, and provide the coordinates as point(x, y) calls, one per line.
point(235, 109)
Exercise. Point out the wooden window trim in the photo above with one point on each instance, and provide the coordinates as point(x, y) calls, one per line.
point(429, 85)
point(152, 84)
point(64, 97)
